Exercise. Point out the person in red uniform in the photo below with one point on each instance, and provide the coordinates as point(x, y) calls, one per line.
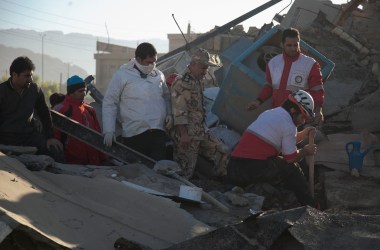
point(289, 72)
point(267, 150)
point(73, 106)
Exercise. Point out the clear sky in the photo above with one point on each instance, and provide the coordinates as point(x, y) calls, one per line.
point(132, 20)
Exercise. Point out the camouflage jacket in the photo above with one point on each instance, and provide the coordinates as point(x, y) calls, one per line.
point(187, 105)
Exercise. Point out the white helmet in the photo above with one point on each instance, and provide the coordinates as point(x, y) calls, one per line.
point(304, 100)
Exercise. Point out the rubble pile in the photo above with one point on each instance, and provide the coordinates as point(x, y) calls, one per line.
point(47, 205)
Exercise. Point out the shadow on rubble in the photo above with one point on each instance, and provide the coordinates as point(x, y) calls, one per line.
point(299, 228)
point(23, 237)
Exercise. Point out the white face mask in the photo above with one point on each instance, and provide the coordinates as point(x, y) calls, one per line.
point(146, 69)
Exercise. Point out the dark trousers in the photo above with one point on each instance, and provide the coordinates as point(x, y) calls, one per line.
point(34, 139)
point(242, 172)
point(151, 143)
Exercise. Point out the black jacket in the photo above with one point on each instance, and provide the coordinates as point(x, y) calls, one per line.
point(17, 111)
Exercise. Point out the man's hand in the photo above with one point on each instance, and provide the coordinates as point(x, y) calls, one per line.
point(319, 119)
point(38, 125)
point(253, 105)
point(310, 149)
point(304, 134)
point(109, 137)
point(52, 142)
point(168, 122)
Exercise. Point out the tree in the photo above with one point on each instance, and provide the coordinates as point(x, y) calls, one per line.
point(49, 88)
point(4, 77)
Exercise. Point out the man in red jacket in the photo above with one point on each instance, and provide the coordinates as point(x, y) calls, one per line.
point(289, 72)
point(77, 152)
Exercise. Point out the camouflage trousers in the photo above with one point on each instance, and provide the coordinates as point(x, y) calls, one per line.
point(210, 148)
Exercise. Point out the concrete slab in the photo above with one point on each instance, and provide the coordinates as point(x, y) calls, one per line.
point(91, 213)
point(347, 193)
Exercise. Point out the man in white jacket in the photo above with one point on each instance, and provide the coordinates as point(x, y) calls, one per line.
point(139, 90)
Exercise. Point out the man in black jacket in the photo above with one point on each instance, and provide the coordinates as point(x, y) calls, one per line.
point(20, 99)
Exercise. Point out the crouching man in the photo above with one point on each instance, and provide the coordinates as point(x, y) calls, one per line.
point(257, 158)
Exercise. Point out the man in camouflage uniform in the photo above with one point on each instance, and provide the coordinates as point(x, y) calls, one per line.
point(190, 134)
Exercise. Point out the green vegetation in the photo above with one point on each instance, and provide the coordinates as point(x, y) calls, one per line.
point(48, 87)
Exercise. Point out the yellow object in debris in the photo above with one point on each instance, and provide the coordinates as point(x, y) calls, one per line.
point(355, 172)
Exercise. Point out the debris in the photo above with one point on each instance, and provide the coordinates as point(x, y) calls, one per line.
point(35, 162)
point(17, 150)
point(237, 199)
point(355, 172)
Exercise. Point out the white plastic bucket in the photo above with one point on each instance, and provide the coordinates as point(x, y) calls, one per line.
point(191, 193)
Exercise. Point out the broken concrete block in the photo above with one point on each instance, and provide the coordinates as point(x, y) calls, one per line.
point(17, 150)
point(344, 35)
point(355, 173)
point(347, 193)
point(364, 50)
point(357, 45)
point(364, 62)
point(351, 40)
point(337, 30)
point(4, 230)
point(36, 162)
point(236, 199)
point(376, 69)
point(237, 190)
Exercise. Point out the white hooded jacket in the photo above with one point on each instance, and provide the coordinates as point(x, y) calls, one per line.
point(143, 102)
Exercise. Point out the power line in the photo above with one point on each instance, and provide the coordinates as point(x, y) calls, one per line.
point(29, 27)
point(41, 19)
point(54, 42)
point(97, 27)
point(45, 12)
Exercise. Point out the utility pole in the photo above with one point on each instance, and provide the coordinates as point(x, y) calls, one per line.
point(68, 70)
point(42, 68)
point(60, 83)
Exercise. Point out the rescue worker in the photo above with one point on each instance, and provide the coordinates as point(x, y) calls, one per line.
point(267, 150)
point(74, 107)
point(20, 100)
point(190, 134)
point(139, 91)
point(289, 72)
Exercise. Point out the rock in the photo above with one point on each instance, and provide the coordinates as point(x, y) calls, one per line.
point(4, 230)
point(17, 150)
point(337, 30)
point(376, 69)
point(364, 50)
point(237, 190)
point(124, 244)
point(236, 199)
point(256, 201)
point(354, 172)
point(36, 162)
point(166, 166)
point(269, 188)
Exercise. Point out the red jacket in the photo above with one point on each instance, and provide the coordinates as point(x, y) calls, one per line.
point(280, 93)
point(77, 152)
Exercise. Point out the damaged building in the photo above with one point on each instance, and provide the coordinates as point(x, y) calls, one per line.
point(136, 205)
